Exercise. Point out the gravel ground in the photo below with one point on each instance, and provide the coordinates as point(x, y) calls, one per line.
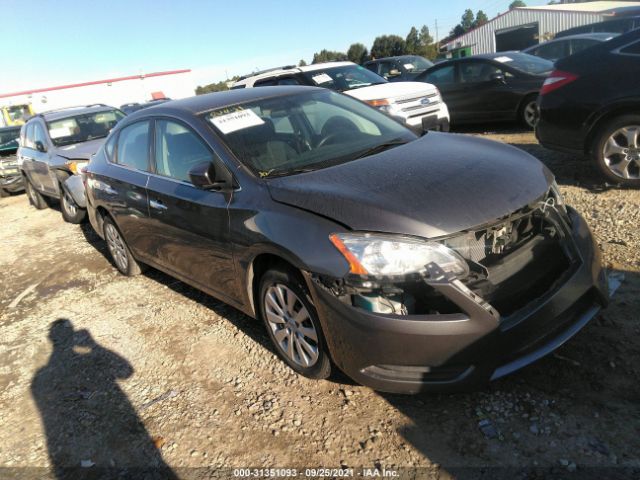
point(97, 368)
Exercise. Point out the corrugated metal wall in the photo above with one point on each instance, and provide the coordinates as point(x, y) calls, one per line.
point(483, 39)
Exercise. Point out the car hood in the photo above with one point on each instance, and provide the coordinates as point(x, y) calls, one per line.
point(391, 90)
point(437, 185)
point(82, 150)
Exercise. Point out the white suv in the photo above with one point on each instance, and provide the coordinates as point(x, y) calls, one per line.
point(418, 105)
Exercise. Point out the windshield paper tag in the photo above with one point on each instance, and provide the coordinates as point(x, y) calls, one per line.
point(239, 120)
point(322, 78)
point(409, 66)
point(60, 132)
point(503, 59)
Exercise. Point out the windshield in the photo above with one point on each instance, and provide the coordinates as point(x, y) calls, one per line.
point(348, 77)
point(306, 131)
point(82, 128)
point(415, 64)
point(525, 63)
point(9, 135)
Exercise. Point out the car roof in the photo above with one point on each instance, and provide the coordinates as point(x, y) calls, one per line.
point(53, 115)
point(211, 101)
point(602, 36)
point(396, 57)
point(245, 79)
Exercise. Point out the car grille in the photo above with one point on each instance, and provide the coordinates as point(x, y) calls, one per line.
point(515, 261)
point(419, 105)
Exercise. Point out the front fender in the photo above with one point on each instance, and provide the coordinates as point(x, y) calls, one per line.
point(75, 186)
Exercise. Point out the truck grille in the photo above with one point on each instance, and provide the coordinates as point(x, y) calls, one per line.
point(419, 105)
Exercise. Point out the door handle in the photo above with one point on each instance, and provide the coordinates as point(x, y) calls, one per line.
point(157, 204)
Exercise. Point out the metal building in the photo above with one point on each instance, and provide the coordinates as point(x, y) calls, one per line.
point(522, 27)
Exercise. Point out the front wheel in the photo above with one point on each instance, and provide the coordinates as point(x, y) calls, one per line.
point(616, 151)
point(3, 193)
point(70, 210)
point(119, 251)
point(35, 198)
point(292, 323)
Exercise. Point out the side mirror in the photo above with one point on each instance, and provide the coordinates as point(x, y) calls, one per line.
point(498, 78)
point(206, 176)
point(40, 146)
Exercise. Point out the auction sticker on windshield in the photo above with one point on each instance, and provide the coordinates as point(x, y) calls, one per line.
point(322, 78)
point(503, 59)
point(239, 120)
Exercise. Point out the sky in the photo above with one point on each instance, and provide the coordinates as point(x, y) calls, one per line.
point(48, 43)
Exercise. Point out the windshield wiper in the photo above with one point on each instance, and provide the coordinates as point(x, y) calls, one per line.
point(381, 148)
point(282, 173)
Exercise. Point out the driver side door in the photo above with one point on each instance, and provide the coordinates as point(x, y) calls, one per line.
point(190, 225)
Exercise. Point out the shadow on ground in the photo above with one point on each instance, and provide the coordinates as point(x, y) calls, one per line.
point(92, 429)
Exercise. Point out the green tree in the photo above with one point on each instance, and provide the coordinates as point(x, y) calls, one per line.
point(212, 87)
point(388, 46)
point(357, 53)
point(467, 20)
point(517, 4)
point(328, 56)
point(302, 63)
point(412, 42)
point(481, 19)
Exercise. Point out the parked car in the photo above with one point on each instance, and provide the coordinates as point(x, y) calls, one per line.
point(491, 87)
point(558, 48)
point(135, 106)
point(590, 106)
point(54, 147)
point(399, 69)
point(618, 24)
point(410, 263)
point(416, 105)
point(10, 178)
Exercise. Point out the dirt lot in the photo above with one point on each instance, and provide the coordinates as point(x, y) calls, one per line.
point(97, 368)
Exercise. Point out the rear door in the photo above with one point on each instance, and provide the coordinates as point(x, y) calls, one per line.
point(486, 90)
point(190, 225)
point(42, 160)
point(445, 77)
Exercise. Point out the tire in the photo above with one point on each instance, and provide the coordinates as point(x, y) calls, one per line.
point(71, 212)
point(530, 112)
point(298, 341)
point(4, 193)
point(35, 198)
point(119, 251)
point(616, 150)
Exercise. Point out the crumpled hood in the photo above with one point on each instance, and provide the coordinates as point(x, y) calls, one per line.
point(437, 185)
point(82, 150)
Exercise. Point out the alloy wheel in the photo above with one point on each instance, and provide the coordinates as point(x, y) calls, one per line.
point(532, 114)
point(116, 246)
point(291, 325)
point(69, 204)
point(621, 153)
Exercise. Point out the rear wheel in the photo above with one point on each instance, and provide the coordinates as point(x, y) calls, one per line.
point(35, 198)
point(617, 150)
point(530, 112)
point(3, 193)
point(292, 323)
point(119, 251)
point(70, 210)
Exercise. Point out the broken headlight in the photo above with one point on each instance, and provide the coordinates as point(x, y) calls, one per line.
point(386, 255)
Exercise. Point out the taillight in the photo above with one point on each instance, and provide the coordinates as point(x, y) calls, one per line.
point(556, 80)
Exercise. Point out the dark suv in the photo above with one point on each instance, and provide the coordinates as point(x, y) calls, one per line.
point(54, 146)
point(404, 68)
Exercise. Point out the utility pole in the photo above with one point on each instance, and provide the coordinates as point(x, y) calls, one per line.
point(437, 37)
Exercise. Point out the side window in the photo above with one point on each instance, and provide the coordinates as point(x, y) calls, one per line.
point(133, 146)
point(39, 135)
point(553, 50)
point(29, 141)
point(580, 44)
point(372, 66)
point(288, 81)
point(178, 149)
point(267, 82)
point(110, 146)
point(384, 68)
point(633, 49)
point(442, 76)
point(282, 124)
point(477, 72)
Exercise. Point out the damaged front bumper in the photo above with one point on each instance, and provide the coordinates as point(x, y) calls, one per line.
point(472, 342)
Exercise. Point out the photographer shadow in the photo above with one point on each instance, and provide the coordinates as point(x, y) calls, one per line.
point(92, 428)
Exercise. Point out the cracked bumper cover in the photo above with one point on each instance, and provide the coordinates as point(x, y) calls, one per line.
point(413, 353)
